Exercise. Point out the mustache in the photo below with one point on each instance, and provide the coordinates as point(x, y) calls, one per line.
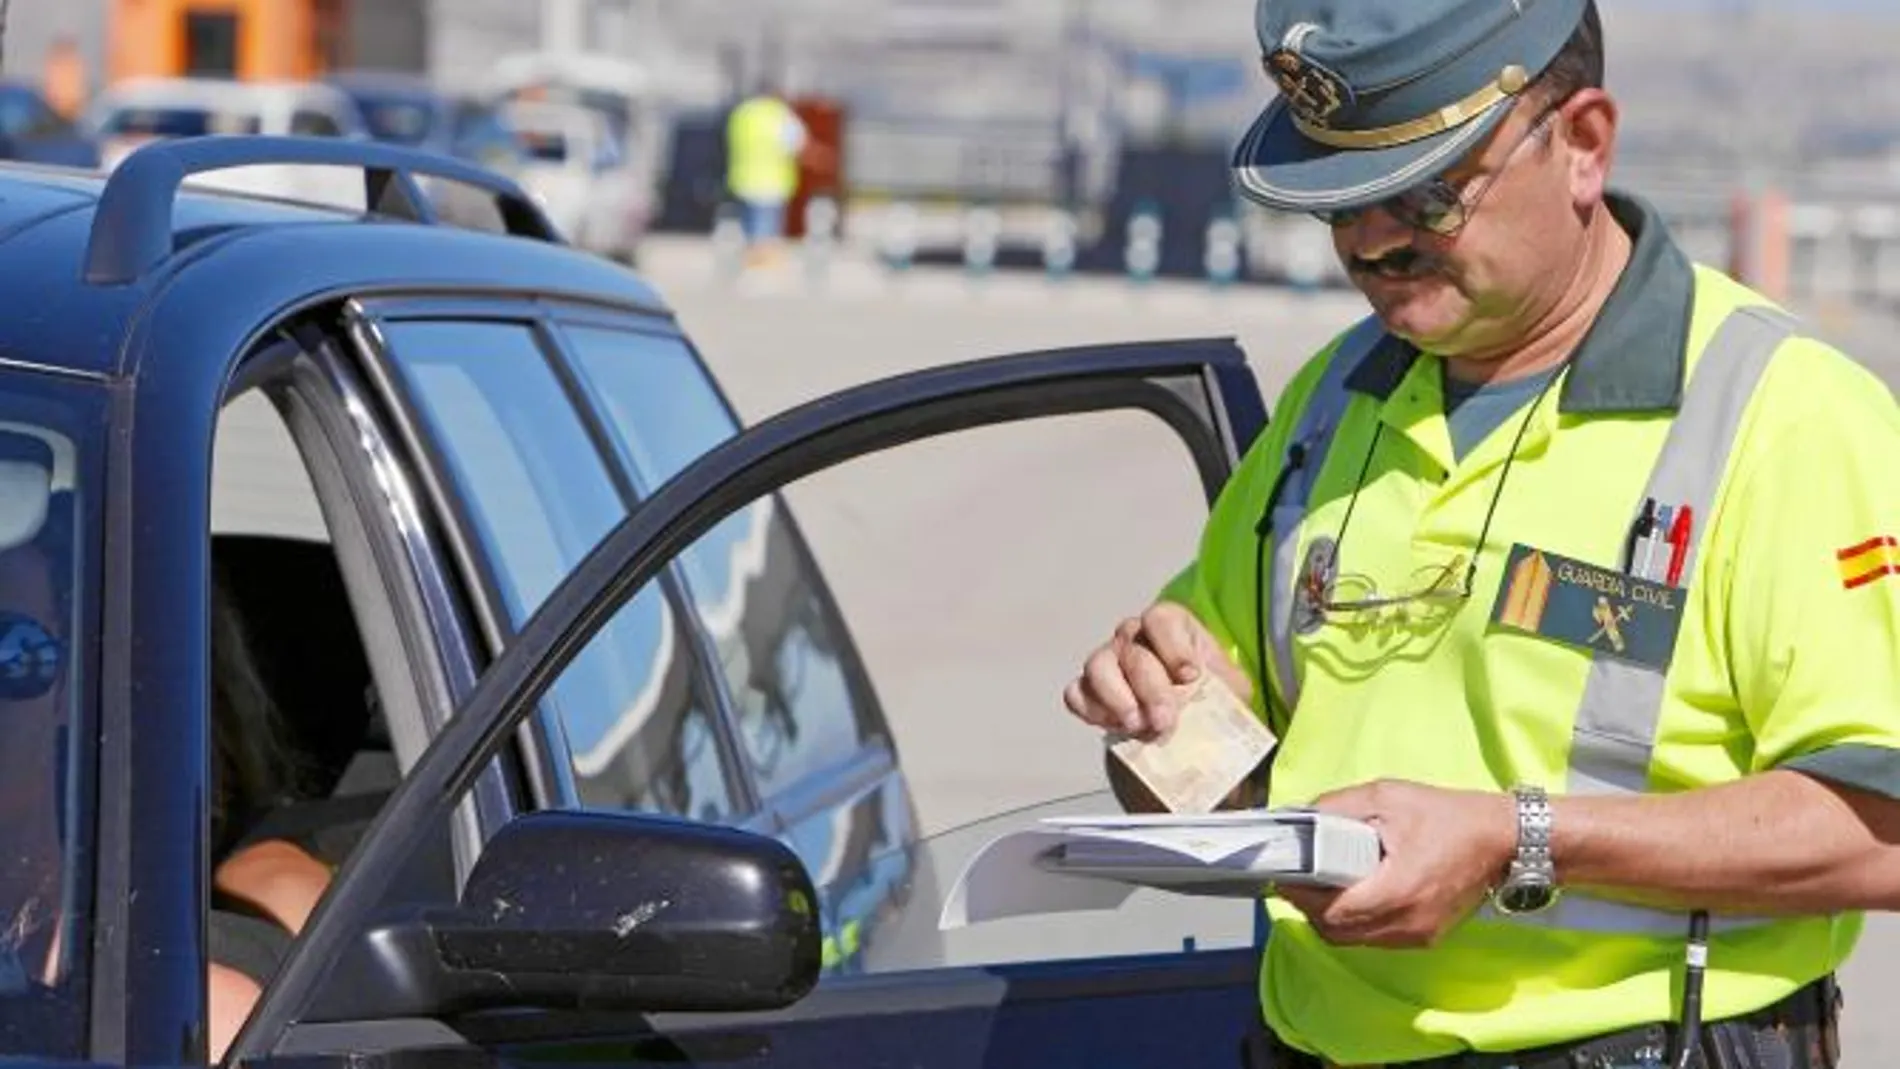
point(1402, 262)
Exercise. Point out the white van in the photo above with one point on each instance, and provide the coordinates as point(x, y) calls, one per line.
point(580, 174)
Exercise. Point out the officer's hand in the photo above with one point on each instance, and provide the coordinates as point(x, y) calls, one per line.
point(1443, 851)
point(1128, 684)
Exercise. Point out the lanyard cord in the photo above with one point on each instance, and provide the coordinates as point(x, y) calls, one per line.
point(1497, 495)
point(1297, 459)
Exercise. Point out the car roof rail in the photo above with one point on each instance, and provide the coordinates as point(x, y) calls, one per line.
point(132, 226)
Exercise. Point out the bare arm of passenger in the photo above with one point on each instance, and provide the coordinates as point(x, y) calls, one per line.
point(277, 877)
point(230, 996)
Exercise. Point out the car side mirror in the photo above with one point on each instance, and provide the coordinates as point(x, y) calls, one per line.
point(601, 911)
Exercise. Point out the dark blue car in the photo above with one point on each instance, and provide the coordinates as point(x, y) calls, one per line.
point(574, 715)
point(32, 132)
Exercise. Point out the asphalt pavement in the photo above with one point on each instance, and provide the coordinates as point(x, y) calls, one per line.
point(977, 570)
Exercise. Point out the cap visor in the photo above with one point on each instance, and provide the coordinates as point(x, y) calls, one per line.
point(1278, 167)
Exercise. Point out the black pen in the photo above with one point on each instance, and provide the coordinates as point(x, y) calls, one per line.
point(1644, 527)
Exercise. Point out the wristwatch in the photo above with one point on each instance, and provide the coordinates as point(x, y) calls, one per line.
point(1530, 883)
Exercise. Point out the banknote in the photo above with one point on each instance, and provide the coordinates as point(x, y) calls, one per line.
point(1216, 742)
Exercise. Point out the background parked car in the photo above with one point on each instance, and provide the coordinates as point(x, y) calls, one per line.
point(32, 132)
point(411, 111)
point(137, 111)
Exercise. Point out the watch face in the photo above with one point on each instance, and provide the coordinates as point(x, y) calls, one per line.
point(1525, 897)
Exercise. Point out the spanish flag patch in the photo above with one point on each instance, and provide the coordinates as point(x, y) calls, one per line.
point(1869, 561)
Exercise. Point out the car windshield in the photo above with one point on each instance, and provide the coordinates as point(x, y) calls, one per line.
point(141, 121)
point(49, 451)
point(908, 936)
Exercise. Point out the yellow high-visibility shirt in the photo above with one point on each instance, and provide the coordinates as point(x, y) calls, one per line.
point(1787, 653)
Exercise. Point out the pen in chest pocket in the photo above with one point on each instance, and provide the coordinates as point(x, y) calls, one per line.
point(1638, 545)
point(1680, 531)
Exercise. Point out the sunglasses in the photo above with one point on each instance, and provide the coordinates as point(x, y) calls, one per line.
point(1352, 599)
point(1437, 206)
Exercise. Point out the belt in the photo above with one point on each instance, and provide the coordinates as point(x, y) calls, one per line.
point(1805, 1019)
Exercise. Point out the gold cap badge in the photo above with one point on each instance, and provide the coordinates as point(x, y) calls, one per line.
point(1314, 93)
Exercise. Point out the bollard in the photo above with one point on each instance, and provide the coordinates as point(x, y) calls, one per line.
point(1058, 246)
point(982, 230)
point(728, 241)
point(897, 245)
point(1142, 253)
point(1309, 253)
point(821, 238)
point(1809, 228)
point(1222, 256)
point(1872, 231)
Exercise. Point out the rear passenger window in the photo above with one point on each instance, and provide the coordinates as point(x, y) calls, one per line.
point(804, 705)
point(537, 497)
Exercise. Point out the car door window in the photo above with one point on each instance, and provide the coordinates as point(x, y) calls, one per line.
point(976, 568)
point(803, 709)
point(51, 450)
point(537, 497)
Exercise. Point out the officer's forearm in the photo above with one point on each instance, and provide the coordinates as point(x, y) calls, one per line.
point(1776, 843)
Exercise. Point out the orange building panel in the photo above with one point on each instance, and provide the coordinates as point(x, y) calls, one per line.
point(253, 40)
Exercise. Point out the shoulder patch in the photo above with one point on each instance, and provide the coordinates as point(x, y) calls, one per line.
point(1869, 561)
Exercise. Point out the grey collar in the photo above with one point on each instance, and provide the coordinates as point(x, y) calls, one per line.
point(1633, 357)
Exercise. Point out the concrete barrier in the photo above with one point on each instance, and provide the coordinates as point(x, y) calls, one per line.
point(1872, 232)
point(728, 241)
point(982, 231)
point(1059, 246)
point(1223, 254)
point(1142, 252)
point(897, 237)
point(1810, 229)
point(820, 243)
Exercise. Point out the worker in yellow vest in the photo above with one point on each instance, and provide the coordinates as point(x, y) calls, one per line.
point(1573, 569)
point(765, 140)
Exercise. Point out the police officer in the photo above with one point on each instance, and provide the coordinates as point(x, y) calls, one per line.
point(1572, 568)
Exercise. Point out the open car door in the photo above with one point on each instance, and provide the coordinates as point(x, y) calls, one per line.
point(618, 939)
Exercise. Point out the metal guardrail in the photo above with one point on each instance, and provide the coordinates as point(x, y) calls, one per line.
point(1817, 254)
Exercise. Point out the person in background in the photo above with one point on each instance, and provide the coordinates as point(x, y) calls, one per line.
point(765, 143)
point(64, 79)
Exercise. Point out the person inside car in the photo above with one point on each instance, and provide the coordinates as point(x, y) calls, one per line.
point(264, 886)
